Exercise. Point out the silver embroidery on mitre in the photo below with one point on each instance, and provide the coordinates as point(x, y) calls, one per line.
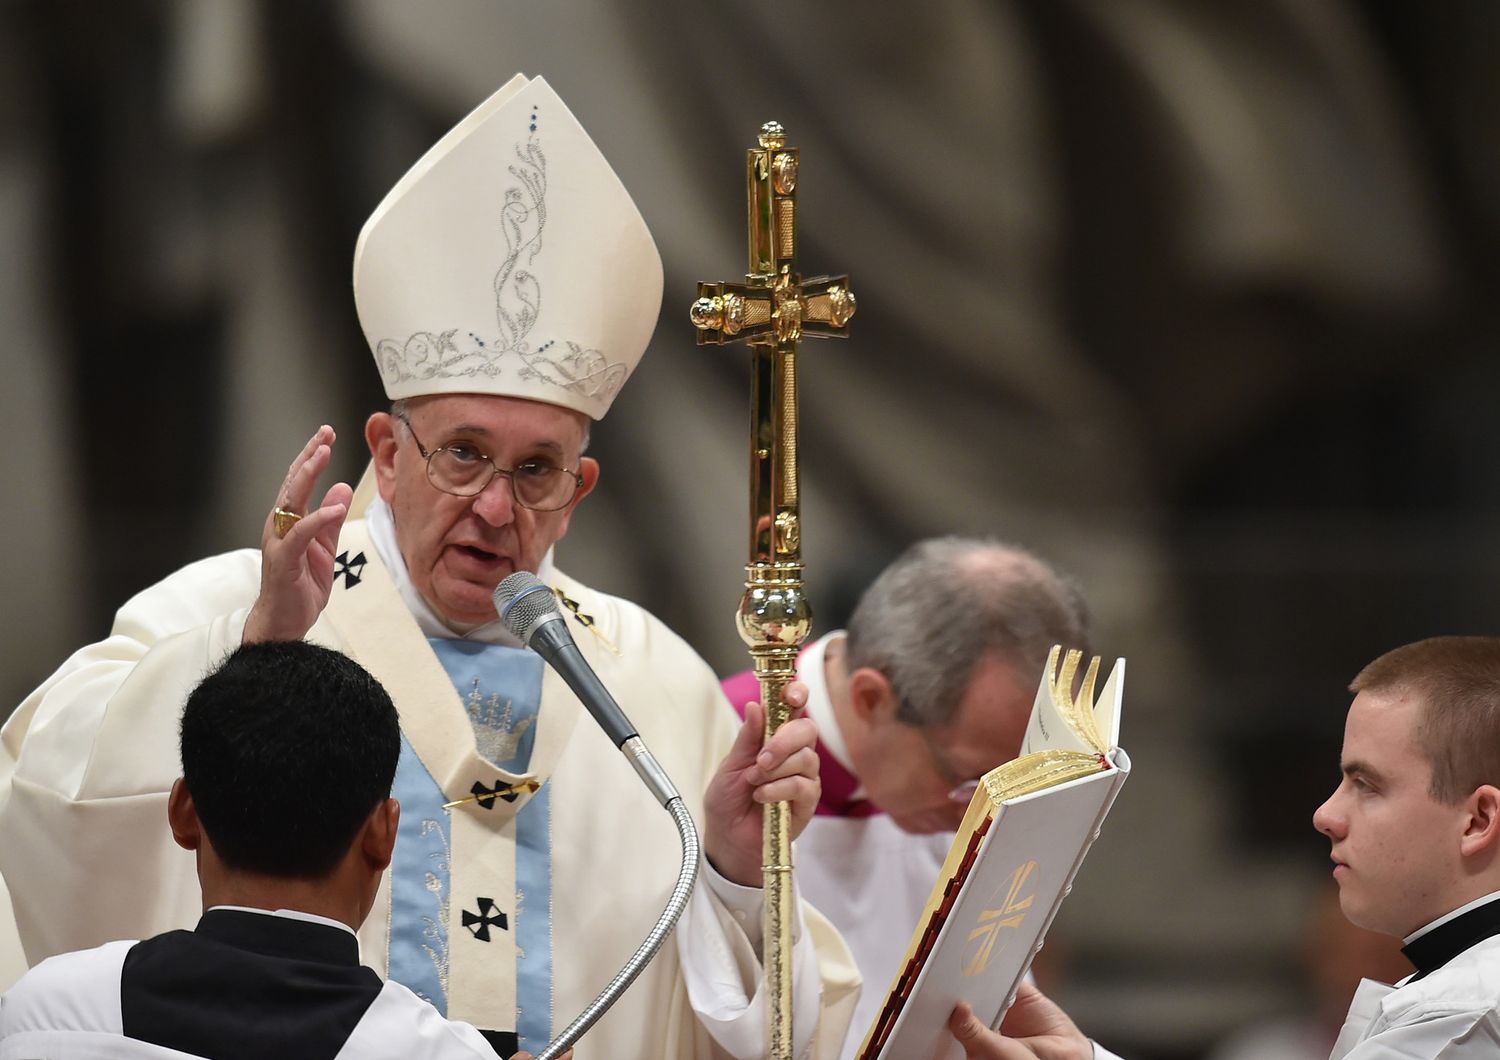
point(451, 354)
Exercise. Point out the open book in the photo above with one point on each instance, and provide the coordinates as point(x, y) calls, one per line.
point(1012, 863)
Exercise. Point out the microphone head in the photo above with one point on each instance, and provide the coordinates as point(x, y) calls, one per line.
point(523, 603)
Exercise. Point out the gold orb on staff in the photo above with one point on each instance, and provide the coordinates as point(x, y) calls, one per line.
point(772, 311)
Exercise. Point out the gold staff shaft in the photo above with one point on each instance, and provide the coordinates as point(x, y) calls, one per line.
point(774, 619)
point(772, 311)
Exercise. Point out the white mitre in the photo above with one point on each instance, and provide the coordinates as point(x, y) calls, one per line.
point(509, 260)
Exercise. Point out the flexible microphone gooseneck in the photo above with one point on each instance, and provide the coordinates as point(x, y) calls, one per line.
point(529, 610)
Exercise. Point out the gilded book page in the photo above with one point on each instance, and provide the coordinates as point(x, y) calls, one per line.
point(1033, 772)
point(1064, 720)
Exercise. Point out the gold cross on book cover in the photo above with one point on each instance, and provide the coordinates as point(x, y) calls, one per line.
point(1012, 863)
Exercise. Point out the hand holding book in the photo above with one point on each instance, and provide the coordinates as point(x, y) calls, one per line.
point(1037, 1030)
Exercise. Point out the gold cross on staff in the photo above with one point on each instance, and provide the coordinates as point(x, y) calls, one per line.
point(771, 312)
point(774, 304)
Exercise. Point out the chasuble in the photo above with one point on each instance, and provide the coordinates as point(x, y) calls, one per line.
point(509, 912)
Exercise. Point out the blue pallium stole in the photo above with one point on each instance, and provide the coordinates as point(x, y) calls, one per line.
point(500, 688)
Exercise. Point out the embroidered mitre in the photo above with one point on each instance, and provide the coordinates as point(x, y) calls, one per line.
point(509, 260)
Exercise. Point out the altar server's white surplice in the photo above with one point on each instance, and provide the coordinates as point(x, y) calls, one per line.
point(221, 990)
point(1453, 1013)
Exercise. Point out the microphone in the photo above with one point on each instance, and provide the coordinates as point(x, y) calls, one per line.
point(529, 610)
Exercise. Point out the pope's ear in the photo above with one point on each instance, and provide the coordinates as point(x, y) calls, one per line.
point(182, 815)
point(1482, 831)
point(588, 467)
point(380, 436)
point(588, 470)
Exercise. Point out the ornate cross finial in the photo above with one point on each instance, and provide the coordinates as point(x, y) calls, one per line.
point(773, 304)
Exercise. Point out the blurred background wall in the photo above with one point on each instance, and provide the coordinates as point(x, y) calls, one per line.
point(1194, 298)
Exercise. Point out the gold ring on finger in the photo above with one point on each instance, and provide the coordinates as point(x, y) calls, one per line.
point(284, 520)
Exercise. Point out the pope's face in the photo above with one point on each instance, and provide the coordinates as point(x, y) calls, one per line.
point(1395, 848)
point(909, 772)
point(457, 549)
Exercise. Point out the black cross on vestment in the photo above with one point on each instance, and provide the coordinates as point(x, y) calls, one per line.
point(488, 915)
point(349, 569)
point(486, 796)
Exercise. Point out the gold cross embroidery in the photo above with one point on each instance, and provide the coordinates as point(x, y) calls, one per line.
point(585, 620)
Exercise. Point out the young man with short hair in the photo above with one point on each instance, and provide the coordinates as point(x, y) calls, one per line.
point(1415, 826)
point(288, 754)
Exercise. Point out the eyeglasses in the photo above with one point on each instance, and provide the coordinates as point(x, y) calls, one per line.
point(962, 791)
point(466, 471)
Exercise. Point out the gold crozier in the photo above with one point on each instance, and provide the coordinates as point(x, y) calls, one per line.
point(772, 311)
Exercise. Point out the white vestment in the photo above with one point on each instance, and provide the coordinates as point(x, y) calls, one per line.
point(1453, 1013)
point(87, 759)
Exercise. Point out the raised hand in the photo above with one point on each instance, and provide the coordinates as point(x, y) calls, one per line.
point(296, 571)
point(784, 770)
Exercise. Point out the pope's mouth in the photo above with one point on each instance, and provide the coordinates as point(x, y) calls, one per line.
point(473, 557)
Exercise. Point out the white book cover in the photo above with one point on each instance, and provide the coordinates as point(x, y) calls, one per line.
point(1012, 863)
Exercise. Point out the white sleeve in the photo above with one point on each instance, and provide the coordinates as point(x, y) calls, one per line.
point(1455, 1035)
point(86, 762)
point(69, 993)
point(718, 946)
point(84, 1045)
